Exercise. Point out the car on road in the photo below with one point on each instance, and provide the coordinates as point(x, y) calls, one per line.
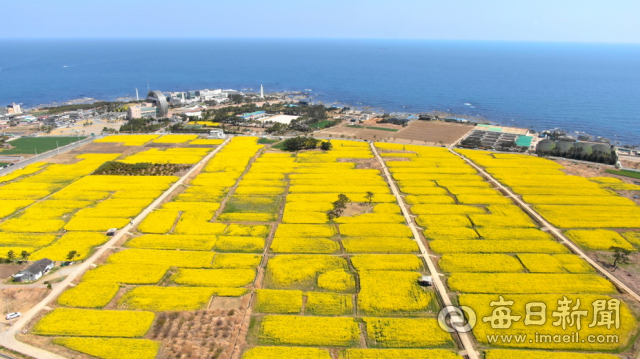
point(13, 315)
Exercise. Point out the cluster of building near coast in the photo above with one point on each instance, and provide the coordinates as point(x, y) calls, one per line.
point(190, 105)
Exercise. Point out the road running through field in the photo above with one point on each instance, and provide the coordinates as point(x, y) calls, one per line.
point(556, 232)
point(8, 339)
point(467, 343)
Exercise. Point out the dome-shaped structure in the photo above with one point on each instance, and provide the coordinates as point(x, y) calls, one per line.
point(545, 146)
point(160, 101)
point(583, 148)
point(564, 146)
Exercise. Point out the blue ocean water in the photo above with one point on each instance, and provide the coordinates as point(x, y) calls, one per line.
point(579, 87)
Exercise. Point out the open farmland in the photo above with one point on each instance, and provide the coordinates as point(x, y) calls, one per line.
point(35, 145)
point(242, 261)
point(492, 251)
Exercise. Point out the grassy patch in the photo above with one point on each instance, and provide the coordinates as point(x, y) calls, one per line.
point(29, 145)
point(625, 173)
point(355, 126)
point(321, 124)
point(2, 164)
point(279, 146)
point(267, 141)
point(382, 129)
point(251, 204)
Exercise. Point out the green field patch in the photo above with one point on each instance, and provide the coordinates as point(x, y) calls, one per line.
point(632, 174)
point(382, 129)
point(30, 145)
point(267, 141)
point(322, 124)
point(253, 204)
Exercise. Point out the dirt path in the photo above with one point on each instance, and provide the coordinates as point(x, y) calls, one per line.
point(465, 338)
point(8, 338)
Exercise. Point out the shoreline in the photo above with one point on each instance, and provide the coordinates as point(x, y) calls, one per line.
point(320, 98)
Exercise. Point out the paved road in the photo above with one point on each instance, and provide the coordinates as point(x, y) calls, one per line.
point(552, 229)
point(8, 339)
point(465, 338)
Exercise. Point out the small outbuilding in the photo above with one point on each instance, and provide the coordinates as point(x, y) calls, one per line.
point(34, 271)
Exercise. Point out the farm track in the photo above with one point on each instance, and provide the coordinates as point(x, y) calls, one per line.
point(555, 231)
point(465, 338)
point(8, 338)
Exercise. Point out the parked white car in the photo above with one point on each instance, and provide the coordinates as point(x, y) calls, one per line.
point(13, 315)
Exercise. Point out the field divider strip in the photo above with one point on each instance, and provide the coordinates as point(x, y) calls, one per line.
point(8, 339)
point(467, 343)
point(556, 232)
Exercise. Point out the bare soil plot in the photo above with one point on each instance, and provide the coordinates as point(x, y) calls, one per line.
point(7, 270)
point(431, 133)
point(21, 299)
point(363, 133)
point(198, 335)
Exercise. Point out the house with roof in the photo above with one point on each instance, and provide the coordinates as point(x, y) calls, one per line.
point(34, 271)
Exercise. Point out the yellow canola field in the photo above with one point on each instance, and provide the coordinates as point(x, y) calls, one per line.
point(403, 262)
point(379, 245)
point(174, 241)
point(326, 303)
point(127, 273)
point(159, 221)
point(8, 207)
point(300, 271)
point(516, 283)
point(116, 348)
point(599, 239)
point(508, 354)
point(559, 263)
point(26, 239)
point(89, 295)
point(81, 242)
point(406, 333)
point(186, 259)
point(392, 292)
point(443, 246)
point(236, 260)
point(171, 155)
point(479, 263)
point(93, 323)
point(400, 353)
point(162, 299)
point(278, 301)
point(27, 170)
point(229, 278)
point(373, 230)
point(304, 245)
point(450, 233)
point(308, 331)
point(175, 138)
point(285, 352)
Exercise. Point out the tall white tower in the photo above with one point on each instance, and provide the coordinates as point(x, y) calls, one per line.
point(261, 91)
point(137, 97)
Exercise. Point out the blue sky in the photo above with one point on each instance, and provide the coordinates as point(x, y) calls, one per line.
point(504, 20)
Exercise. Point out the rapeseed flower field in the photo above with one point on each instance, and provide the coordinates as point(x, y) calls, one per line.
point(251, 227)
